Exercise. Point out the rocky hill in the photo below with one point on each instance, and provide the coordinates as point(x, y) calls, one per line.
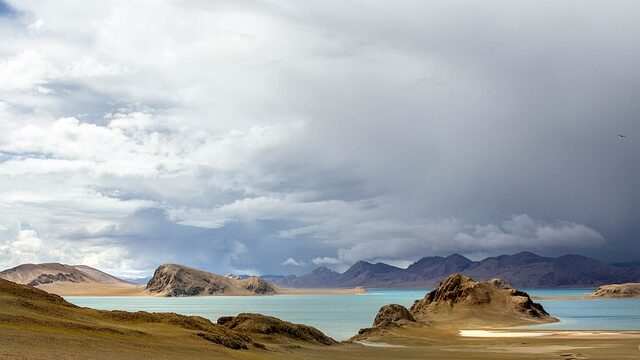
point(523, 270)
point(39, 274)
point(178, 280)
point(460, 297)
point(68, 279)
point(629, 290)
point(459, 301)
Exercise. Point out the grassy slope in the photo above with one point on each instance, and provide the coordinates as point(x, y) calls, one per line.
point(36, 324)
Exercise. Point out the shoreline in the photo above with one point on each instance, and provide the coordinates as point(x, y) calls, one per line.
point(90, 290)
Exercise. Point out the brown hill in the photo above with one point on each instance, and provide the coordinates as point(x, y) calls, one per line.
point(461, 299)
point(39, 274)
point(65, 279)
point(178, 280)
point(628, 290)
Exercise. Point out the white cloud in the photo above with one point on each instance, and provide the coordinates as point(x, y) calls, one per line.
point(28, 247)
point(26, 243)
point(87, 66)
point(293, 262)
point(24, 71)
point(325, 261)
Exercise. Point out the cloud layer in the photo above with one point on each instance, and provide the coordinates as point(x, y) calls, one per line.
point(268, 137)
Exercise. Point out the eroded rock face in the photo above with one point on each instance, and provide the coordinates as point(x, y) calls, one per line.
point(500, 284)
point(453, 290)
point(50, 278)
point(393, 315)
point(274, 327)
point(495, 298)
point(258, 286)
point(628, 290)
point(178, 280)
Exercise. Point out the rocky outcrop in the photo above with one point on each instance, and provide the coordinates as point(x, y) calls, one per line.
point(49, 278)
point(178, 280)
point(393, 315)
point(273, 328)
point(629, 290)
point(500, 284)
point(494, 301)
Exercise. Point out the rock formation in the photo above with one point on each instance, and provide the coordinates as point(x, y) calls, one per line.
point(178, 280)
point(460, 301)
point(460, 297)
point(628, 290)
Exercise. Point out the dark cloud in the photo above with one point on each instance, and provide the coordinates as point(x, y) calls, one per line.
point(325, 132)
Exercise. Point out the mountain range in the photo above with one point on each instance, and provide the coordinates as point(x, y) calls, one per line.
point(523, 270)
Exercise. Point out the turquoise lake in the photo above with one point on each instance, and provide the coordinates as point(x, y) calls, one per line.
point(340, 316)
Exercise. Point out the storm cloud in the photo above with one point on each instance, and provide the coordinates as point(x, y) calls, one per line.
point(276, 136)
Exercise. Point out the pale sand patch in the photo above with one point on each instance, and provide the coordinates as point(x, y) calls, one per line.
point(491, 334)
point(378, 344)
point(357, 291)
point(91, 289)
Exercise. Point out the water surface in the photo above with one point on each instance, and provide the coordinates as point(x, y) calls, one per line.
point(341, 316)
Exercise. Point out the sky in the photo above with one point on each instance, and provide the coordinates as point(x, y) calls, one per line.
point(272, 137)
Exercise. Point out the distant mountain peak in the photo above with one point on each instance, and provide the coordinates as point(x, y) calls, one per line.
point(524, 269)
point(364, 266)
point(323, 270)
point(457, 257)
